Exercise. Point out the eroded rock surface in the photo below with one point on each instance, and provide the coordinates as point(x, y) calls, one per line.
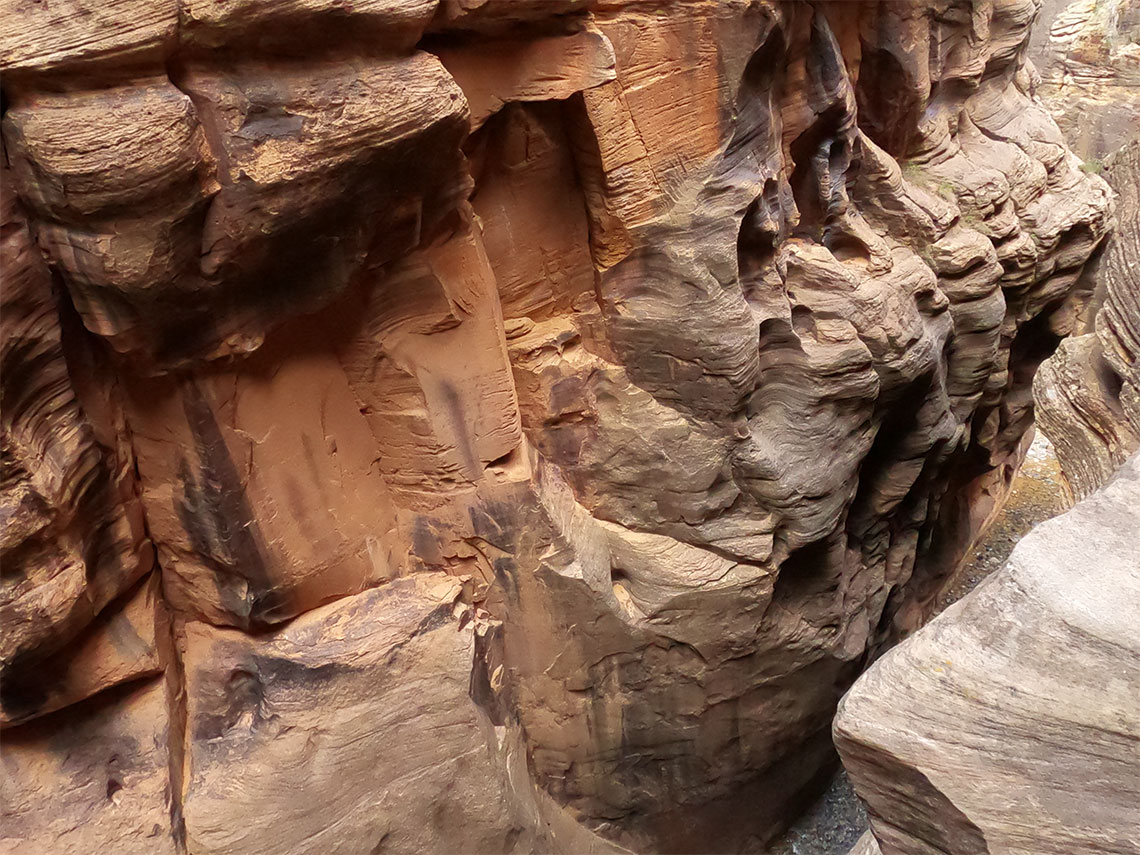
point(1088, 392)
point(1087, 56)
point(692, 341)
point(73, 535)
point(1010, 723)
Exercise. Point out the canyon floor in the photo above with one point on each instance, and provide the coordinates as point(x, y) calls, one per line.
point(835, 821)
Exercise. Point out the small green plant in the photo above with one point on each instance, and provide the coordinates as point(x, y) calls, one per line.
point(1093, 166)
point(971, 219)
point(915, 174)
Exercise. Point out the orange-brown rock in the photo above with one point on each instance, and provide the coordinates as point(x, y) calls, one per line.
point(93, 778)
point(73, 535)
point(322, 706)
point(540, 411)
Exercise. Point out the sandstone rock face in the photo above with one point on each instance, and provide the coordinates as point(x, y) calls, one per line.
point(363, 706)
point(74, 542)
point(1087, 56)
point(95, 778)
point(1088, 393)
point(537, 411)
point(1009, 724)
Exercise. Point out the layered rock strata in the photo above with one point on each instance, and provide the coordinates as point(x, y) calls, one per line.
point(1088, 393)
point(1086, 54)
point(537, 411)
point(1009, 724)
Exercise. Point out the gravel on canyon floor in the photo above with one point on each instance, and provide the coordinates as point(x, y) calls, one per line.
point(835, 821)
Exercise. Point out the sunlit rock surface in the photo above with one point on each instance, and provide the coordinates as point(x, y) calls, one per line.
point(1086, 58)
point(692, 341)
point(1009, 724)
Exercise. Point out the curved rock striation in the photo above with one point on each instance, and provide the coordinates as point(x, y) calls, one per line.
point(1009, 724)
point(1088, 393)
point(540, 411)
point(74, 545)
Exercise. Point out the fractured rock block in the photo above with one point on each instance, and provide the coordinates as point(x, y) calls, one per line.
point(301, 26)
point(50, 37)
point(363, 153)
point(437, 421)
point(259, 487)
point(548, 271)
point(120, 645)
point(1009, 724)
point(542, 69)
point(185, 227)
point(361, 708)
point(119, 180)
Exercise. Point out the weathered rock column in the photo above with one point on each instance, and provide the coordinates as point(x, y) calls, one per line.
point(1088, 393)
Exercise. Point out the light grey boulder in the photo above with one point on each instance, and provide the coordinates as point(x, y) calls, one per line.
point(1010, 724)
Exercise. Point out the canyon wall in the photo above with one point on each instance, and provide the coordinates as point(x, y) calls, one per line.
point(485, 426)
point(1087, 394)
point(1086, 58)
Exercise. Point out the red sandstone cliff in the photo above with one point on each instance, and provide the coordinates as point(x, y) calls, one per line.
point(496, 426)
